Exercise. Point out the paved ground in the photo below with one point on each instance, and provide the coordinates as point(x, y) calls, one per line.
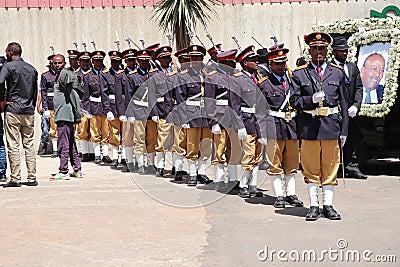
point(110, 218)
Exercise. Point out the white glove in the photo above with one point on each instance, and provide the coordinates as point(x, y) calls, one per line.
point(123, 118)
point(110, 116)
point(46, 114)
point(262, 141)
point(318, 97)
point(131, 120)
point(353, 111)
point(216, 129)
point(242, 134)
point(343, 140)
point(154, 118)
point(185, 126)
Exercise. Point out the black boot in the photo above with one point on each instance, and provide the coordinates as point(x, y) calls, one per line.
point(114, 164)
point(254, 191)
point(3, 177)
point(85, 157)
point(203, 179)
point(43, 151)
point(330, 213)
point(173, 171)
point(55, 154)
point(178, 176)
point(192, 181)
point(244, 192)
point(132, 167)
point(279, 202)
point(123, 163)
point(160, 172)
point(107, 159)
point(97, 160)
point(294, 201)
point(313, 214)
point(92, 157)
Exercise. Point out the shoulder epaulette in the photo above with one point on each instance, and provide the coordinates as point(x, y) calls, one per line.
point(172, 73)
point(76, 71)
point(212, 72)
point(238, 74)
point(184, 71)
point(302, 67)
point(87, 72)
point(153, 70)
point(105, 71)
point(132, 72)
point(120, 71)
point(263, 79)
point(337, 66)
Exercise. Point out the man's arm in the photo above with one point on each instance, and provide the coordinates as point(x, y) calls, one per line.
point(3, 76)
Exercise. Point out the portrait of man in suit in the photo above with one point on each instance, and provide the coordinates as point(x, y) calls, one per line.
point(372, 72)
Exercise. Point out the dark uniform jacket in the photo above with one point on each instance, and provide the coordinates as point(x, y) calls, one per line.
point(275, 96)
point(92, 94)
point(170, 104)
point(123, 90)
point(159, 85)
point(108, 91)
point(190, 90)
point(211, 65)
point(217, 86)
point(329, 127)
point(47, 81)
point(244, 94)
point(138, 106)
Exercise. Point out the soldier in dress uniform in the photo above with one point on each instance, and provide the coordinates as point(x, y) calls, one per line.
point(138, 113)
point(153, 60)
point(123, 95)
point(243, 98)
point(262, 62)
point(277, 87)
point(179, 134)
point(212, 63)
point(322, 121)
point(92, 103)
point(47, 81)
point(83, 129)
point(159, 85)
point(109, 105)
point(227, 145)
point(193, 116)
point(73, 59)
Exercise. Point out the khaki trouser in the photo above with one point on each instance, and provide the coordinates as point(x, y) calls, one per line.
point(82, 129)
point(198, 143)
point(285, 156)
point(20, 127)
point(179, 146)
point(252, 152)
point(114, 137)
point(99, 129)
point(227, 143)
point(53, 125)
point(145, 136)
point(163, 131)
point(127, 134)
point(320, 160)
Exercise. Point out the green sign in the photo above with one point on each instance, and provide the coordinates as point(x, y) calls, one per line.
point(383, 14)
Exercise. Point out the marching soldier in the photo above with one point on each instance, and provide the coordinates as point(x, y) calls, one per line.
point(212, 63)
point(277, 87)
point(83, 130)
point(109, 105)
point(123, 95)
point(153, 60)
point(92, 103)
point(192, 115)
point(47, 81)
point(323, 120)
point(244, 96)
point(73, 60)
point(227, 145)
point(145, 130)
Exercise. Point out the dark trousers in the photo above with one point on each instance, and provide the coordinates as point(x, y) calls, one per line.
point(353, 145)
point(3, 158)
point(45, 136)
point(66, 147)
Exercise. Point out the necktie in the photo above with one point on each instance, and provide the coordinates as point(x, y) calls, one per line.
point(319, 70)
point(367, 96)
point(253, 77)
point(283, 83)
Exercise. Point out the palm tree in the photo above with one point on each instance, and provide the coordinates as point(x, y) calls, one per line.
point(177, 16)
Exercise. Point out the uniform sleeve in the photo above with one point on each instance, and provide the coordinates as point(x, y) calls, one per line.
point(152, 95)
point(43, 91)
point(301, 100)
point(119, 94)
point(181, 95)
point(235, 104)
point(86, 94)
point(210, 88)
point(105, 91)
point(343, 107)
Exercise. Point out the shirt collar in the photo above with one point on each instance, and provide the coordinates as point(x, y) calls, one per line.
point(323, 65)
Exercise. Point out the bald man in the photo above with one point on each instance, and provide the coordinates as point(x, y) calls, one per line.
point(371, 74)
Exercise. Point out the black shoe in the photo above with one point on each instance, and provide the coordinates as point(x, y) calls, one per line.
point(12, 184)
point(279, 202)
point(43, 151)
point(141, 170)
point(313, 214)
point(356, 174)
point(173, 171)
point(263, 166)
point(107, 159)
point(178, 176)
point(160, 172)
point(97, 160)
point(114, 164)
point(54, 155)
point(294, 201)
point(31, 183)
point(203, 179)
point(85, 157)
point(132, 167)
point(330, 213)
point(151, 169)
point(244, 192)
point(122, 163)
point(3, 177)
point(192, 181)
point(254, 192)
point(92, 157)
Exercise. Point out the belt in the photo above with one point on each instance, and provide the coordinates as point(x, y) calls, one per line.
point(95, 99)
point(248, 110)
point(284, 115)
point(111, 97)
point(140, 103)
point(50, 94)
point(221, 102)
point(322, 111)
point(160, 99)
point(199, 103)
